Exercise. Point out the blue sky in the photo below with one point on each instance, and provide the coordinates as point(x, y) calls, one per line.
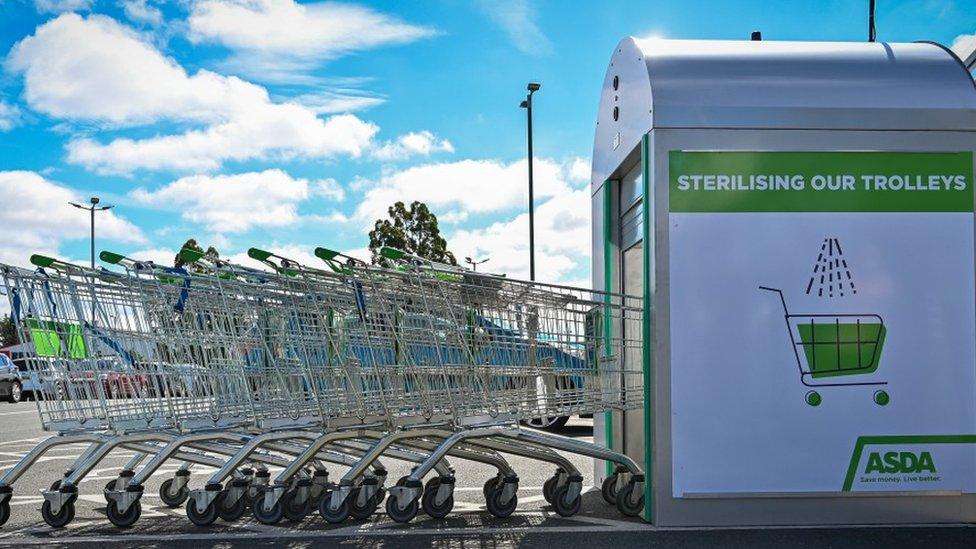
point(289, 125)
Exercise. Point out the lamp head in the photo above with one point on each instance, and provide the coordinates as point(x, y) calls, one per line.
point(524, 104)
point(534, 86)
point(94, 200)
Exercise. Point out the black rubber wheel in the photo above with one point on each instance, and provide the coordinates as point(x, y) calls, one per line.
point(490, 485)
point(206, 518)
point(230, 511)
point(333, 517)
point(56, 485)
point(292, 510)
point(4, 512)
point(627, 507)
point(123, 520)
point(402, 481)
point(269, 517)
point(169, 499)
point(110, 485)
point(427, 501)
point(364, 512)
point(563, 507)
point(62, 518)
point(548, 487)
point(16, 392)
point(496, 508)
point(401, 515)
point(609, 489)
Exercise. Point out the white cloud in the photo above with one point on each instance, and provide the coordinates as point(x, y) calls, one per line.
point(456, 189)
point(141, 11)
point(518, 19)
point(159, 256)
point(423, 143)
point(265, 31)
point(965, 47)
point(58, 6)
point(9, 116)
point(119, 78)
point(236, 203)
point(562, 233)
point(39, 219)
point(332, 102)
point(580, 170)
point(281, 41)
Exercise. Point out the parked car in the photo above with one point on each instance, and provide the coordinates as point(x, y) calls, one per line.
point(11, 388)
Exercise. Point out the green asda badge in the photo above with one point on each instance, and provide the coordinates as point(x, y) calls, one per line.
point(820, 181)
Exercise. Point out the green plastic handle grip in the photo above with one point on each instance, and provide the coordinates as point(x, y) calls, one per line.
point(111, 257)
point(260, 255)
point(190, 255)
point(325, 253)
point(392, 253)
point(42, 260)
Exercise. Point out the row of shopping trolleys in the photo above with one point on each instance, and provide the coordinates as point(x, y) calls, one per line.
point(296, 370)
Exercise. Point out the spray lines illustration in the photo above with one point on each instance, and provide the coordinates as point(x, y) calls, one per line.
point(834, 349)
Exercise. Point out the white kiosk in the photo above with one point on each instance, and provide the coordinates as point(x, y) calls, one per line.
point(798, 218)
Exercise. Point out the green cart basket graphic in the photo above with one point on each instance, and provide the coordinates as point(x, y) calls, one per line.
point(831, 346)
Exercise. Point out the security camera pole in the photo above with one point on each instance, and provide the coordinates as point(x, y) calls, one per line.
point(92, 209)
point(527, 105)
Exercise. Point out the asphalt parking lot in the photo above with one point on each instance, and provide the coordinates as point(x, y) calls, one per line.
point(533, 525)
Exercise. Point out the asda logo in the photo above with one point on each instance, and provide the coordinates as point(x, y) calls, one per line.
point(900, 462)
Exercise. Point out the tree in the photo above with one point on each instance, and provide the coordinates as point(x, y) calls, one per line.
point(8, 332)
point(191, 244)
point(412, 230)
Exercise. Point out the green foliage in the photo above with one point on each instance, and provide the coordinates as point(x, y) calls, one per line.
point(210, 255)
point(412, 230)
point(8, 332)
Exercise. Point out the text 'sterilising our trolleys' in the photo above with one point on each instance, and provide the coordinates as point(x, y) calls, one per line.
point(296, 367)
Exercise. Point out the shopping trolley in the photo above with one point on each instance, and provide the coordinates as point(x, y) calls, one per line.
point(830, 347)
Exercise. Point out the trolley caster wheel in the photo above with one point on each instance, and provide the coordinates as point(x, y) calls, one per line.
point(881, 398)
point(563, 507)
point(496, 508)
point(170, 499)
point(4, 512)
point(609, 489)
point(110, 485)
point(627, 507)
point(205, 518)
point(56, 485)
point(548, 487)
point(333, 516)
point(293, 511)
point(367, 509)
point(230, 511)
point(813, 398)
point(401, 515)
point(402, 481)
point(62, 518)
point(126, 519)
point(490, 484)
point(268, 516)
point(429, 499)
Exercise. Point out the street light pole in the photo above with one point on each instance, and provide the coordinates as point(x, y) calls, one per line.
point(94, 207)
point(474, 264)
point(527, 105)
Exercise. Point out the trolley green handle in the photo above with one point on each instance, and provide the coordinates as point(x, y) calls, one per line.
point(392, 253)
point(111, 257)
point(190, 255)
point(259, 254)
point(325, 254)
point(43, 260)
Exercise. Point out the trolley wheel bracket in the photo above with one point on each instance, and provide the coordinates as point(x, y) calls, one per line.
point(59, 499)
point(444, 490)
point(203, 498)
point(404, 495)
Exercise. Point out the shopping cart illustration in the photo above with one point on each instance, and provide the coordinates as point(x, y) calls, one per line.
point(834, 350)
